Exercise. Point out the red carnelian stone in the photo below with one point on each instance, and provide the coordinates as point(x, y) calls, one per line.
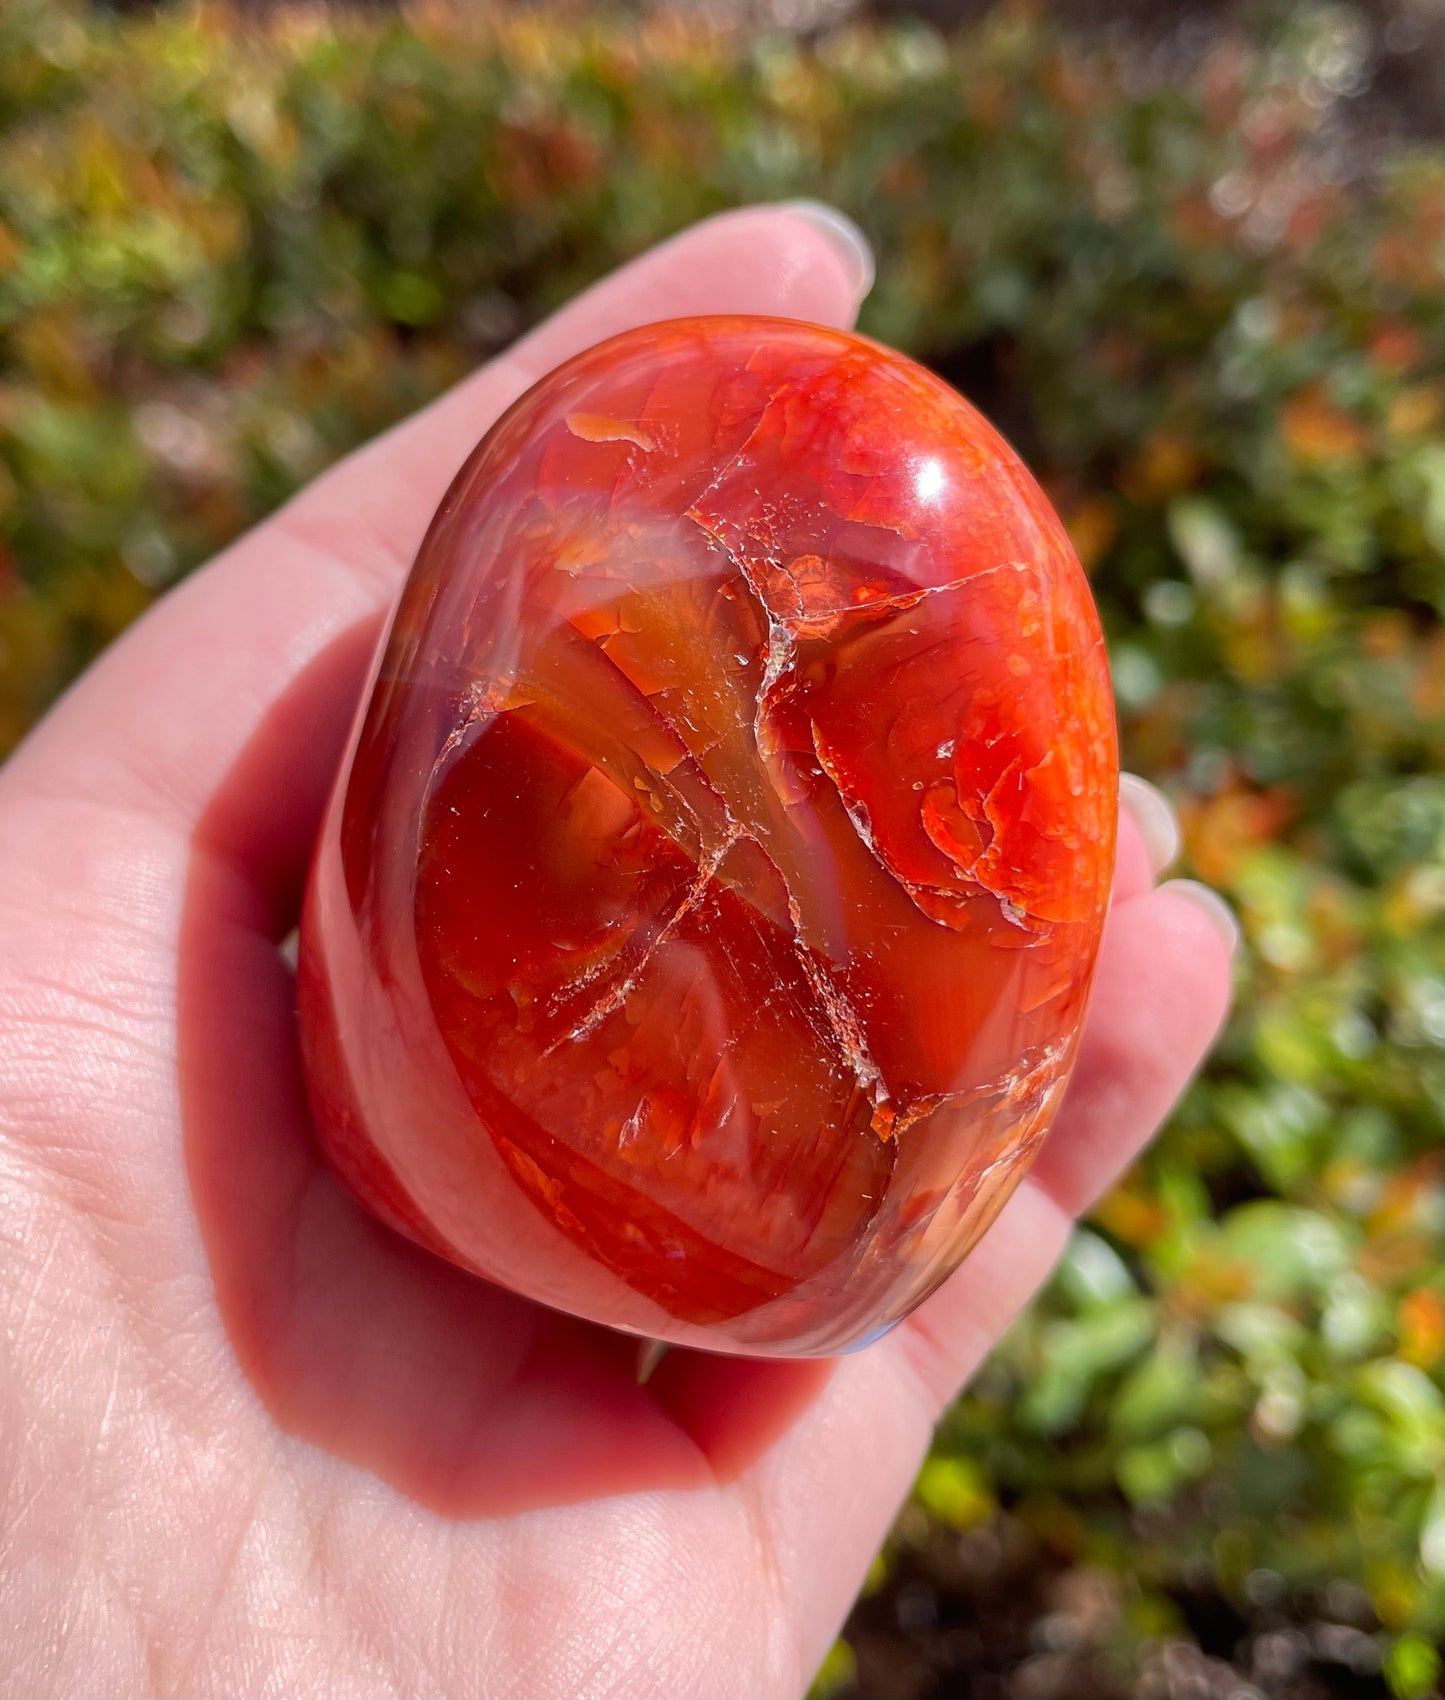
point(699, 939)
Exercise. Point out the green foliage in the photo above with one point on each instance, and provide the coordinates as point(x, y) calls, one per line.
point(228, 252)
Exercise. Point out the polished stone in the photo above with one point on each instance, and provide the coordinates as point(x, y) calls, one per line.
point(700, 937)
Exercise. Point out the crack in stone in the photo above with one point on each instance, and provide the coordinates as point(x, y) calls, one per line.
point(969, 886)
point(844, 1027)
point(858, 815)
point(1034, 1068)
point(614, 998)
point(900, 601)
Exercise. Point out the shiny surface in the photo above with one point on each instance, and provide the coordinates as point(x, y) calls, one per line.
point(700, 938)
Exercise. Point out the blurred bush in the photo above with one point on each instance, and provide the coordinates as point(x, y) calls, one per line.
point(1210, 316)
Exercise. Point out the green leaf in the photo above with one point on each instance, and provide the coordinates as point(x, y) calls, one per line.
point(1159, 1391)
point(1206, 540)
point(1411, 1667)
point(1291, 1253)
point(955, 1490)
point(1076, 1354)
point(1092, 1273)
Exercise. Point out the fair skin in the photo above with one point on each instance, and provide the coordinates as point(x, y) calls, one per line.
point(250, 1442)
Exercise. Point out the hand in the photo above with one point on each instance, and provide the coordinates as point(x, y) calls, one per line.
point(252, 1442)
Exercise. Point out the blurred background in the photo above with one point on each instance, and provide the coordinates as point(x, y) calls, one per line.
point(1188, 256)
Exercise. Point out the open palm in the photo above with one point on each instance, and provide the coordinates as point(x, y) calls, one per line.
point(250, 1441)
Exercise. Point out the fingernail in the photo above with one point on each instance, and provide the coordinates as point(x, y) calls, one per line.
point(849, 242)
point(1220, 914)
point(1154, 815)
